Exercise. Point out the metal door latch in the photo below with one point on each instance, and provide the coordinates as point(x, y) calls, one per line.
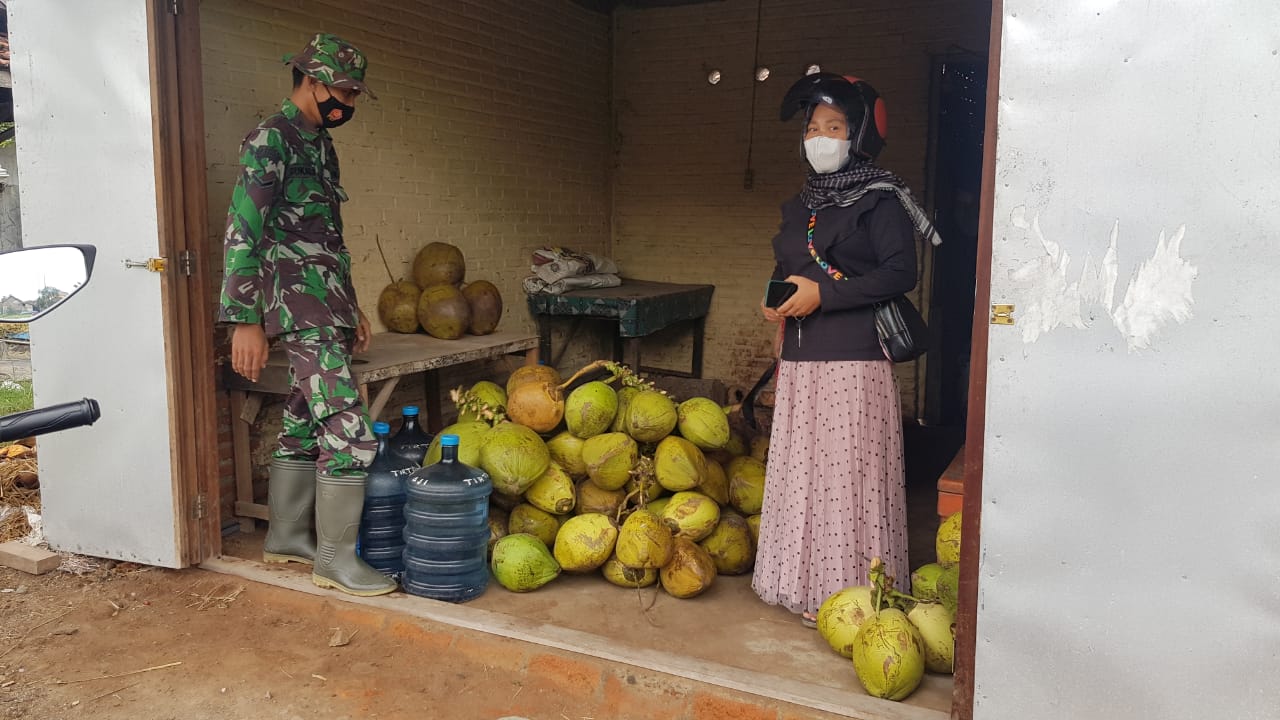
point(1001, 314)
point(155, 265)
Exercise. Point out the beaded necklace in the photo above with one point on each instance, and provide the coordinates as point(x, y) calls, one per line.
point(834, 273)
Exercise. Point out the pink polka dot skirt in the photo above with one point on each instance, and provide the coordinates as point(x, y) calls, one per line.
point(835, 489)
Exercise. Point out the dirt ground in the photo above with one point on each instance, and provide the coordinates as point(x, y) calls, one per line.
point(129, 642)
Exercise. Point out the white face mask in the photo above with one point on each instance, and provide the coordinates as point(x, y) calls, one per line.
point(826, 155)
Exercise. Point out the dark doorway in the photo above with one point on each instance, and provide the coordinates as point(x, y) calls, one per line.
point(954, 193)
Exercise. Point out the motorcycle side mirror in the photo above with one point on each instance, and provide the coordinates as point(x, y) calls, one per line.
point(34, 281)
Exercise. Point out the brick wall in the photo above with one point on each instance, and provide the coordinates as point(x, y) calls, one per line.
point(681, 212)
point(490, 132)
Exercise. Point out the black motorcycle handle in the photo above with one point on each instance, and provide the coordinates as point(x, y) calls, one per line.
point(49, 419)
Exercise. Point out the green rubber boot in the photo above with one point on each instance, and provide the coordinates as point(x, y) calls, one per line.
point(291, 500)
point(339, 501)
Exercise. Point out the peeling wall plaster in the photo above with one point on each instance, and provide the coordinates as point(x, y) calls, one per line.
point(1048, 297)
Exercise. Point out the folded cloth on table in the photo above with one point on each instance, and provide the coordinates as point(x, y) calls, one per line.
point(534, 285)
point(553, 264)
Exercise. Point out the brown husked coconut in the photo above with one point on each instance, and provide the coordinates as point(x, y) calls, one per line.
point(486, 306)
point(438, 264)
point(398, 307)
point(444, 312)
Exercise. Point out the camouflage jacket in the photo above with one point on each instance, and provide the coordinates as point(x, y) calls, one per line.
point(286, 264)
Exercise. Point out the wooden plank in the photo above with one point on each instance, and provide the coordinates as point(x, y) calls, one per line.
point(393, 354)
point(827, 699)
point(431, 391)
point(252, 510)
point(967, 615)
point(240, 456)
point(28, 559)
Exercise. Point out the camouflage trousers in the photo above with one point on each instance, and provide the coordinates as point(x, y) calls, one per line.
point(324, 418)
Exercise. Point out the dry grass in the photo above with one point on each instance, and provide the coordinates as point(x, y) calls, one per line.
point(14, 524)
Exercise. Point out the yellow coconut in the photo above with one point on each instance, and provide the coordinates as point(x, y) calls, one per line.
point(522, 563)
point(644, 542)
point(490, 394)
point(657, 506)
point(553, 492)
point(753, 522)
point(947, 542)
point(609, 459)
point(566, 450)
point(703, 422)
point(651, 416)
point(623, 576)
point(730, 545)
point(471, 437)
point(715, 484)
point(746, 484)
point(514, 456)
point(624, 401)
point(590, 408)
point(594, 499)
point(691, 515)
point(690, 572)
point(526, 518)
point(585, 542)
point(841, 614)
point(678, 464)
point(937, 626)
point(497, 525)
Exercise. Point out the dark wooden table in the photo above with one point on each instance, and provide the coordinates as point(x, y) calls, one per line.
point(639, 307)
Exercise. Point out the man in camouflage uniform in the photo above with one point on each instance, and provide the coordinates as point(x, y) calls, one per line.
point(288, 275)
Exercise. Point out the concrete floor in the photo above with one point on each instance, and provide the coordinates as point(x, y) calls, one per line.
point(727, 627)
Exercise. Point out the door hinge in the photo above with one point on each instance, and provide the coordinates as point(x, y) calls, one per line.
point(187, 262)
point(174, 7)
point(1001, 314)
point(198, 507)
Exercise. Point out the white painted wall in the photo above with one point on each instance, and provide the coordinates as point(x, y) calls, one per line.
point(82, 95)
point(1130, 562)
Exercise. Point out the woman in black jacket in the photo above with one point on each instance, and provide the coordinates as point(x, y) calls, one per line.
point(836, 496)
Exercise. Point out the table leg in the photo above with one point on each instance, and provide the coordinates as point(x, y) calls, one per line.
point(240, 456)
point(531, 356)
point(631, 353)
point(431, 381)
point(544, 337)
point(699, 327)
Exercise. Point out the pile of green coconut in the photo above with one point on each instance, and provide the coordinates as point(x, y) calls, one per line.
point(893, 638)
point(613, 477)
point(437, 300)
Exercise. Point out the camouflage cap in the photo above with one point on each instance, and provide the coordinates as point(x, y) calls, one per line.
point(334, 62)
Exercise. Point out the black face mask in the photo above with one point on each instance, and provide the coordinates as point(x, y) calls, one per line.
point(333, 112)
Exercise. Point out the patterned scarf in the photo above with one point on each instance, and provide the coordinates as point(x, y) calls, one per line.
point(846, 187)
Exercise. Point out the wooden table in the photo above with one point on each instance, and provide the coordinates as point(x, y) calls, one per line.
point(391, 356)
point(640, 307)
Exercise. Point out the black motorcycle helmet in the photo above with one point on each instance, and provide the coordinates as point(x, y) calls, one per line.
point(861, 104)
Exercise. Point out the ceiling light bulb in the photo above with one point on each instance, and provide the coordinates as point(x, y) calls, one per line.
point(762, 74)
point(814, 68)
point(713, 77)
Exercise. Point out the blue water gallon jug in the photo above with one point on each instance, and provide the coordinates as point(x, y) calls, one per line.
point(381, 540)
point(410, 443)
point(446, 531)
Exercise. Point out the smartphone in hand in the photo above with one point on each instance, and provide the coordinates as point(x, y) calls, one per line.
point(777, 292)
